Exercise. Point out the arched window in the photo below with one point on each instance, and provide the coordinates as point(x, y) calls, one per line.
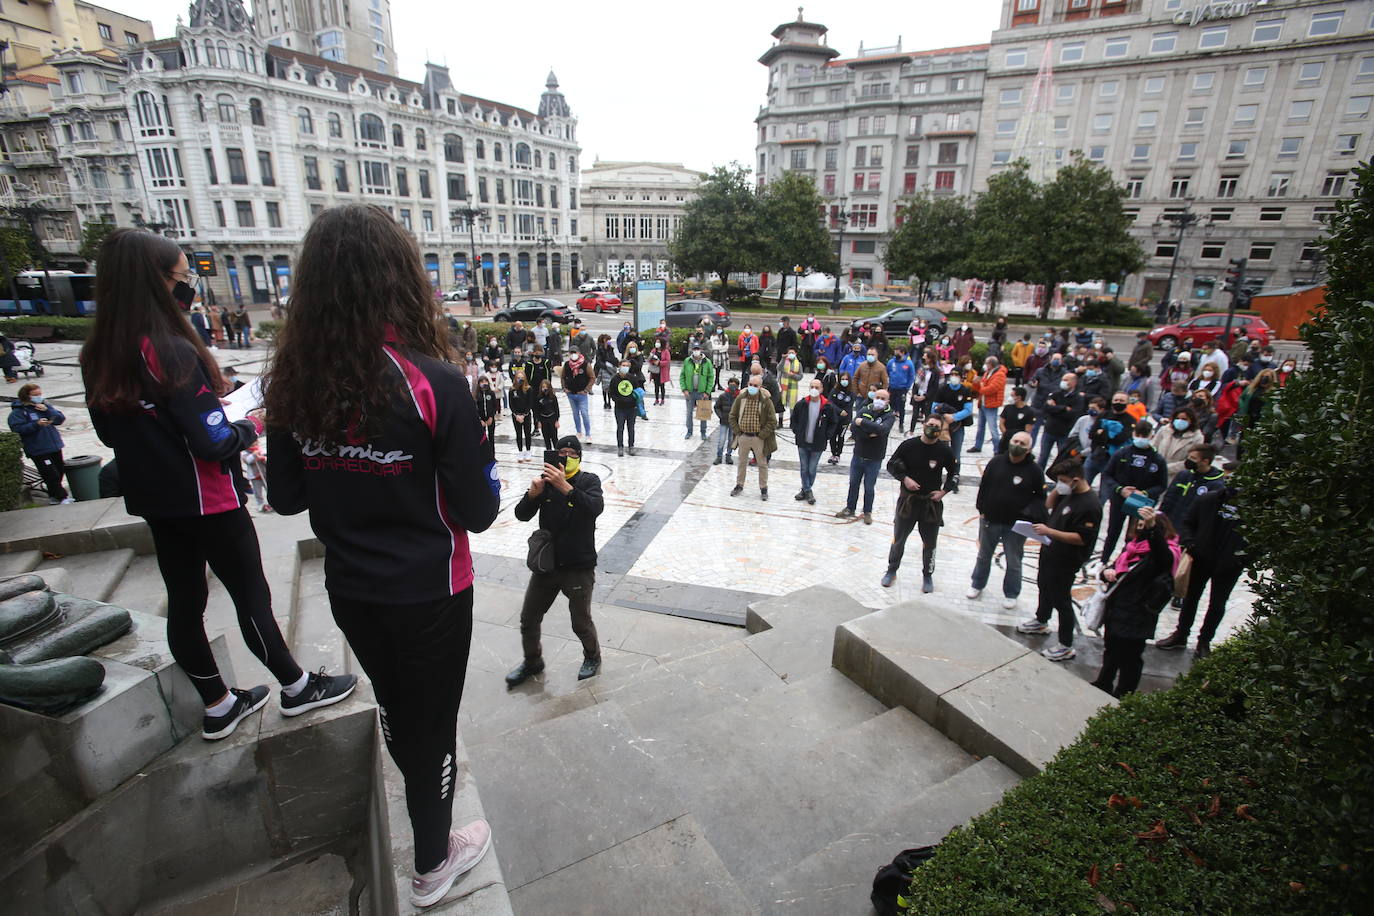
point(306, 122)
point(398, 137)
point(255, 113)
point(371, 129)
point(453, 148)
point(209, 53)
point(335, 124)
point(420, 142)
point(200, 107)
point(481, 149)
point(242, 53)
point(223, 49)
point(538, 159)
point(496, 151)
point(126, 174)
point(572, 163)
point(150, 114)
point(553, 162)
point(227, 112)
point(522, 154)
point(194, 56)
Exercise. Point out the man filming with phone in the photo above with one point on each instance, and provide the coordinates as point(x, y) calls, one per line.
point(562, 555)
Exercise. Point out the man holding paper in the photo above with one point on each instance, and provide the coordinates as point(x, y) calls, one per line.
point(1013, 488)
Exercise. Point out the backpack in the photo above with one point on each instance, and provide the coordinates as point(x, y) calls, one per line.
point(891, 882)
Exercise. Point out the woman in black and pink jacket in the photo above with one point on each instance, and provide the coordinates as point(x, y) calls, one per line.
point(154, 394)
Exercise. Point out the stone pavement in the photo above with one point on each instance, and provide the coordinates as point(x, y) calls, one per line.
point(673, 540)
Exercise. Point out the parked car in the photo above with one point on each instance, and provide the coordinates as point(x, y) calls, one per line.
point(594, 285)
point(533, 310)
point(599, 302)
point(1209, 326)
point(687, 313)
point(895, 321)
point(459, 294)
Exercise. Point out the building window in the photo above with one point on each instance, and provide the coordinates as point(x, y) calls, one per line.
point(947, 153)
point(1178, 186)
point(255, 114)
point(832, 158)
point(829, 184)
point(1187, 152)
point(1245, 115)
point(1116, 47)
point(453, 148)
point(427, 220)
point(304, 121)
point(1213, 38)
point(371, 130)
point(402, 182)
point(421, 142)
point(1271, 214)
point(1061, 124)
point(1237, 149)
point(1001, 156)
point(269, 178)
point(335, 124)
point(913, 126)
point(1366, 70)
point(1108, 89)
point(1006, 128)
point(1010, 97)
point(1163, 42)
point(832, 131)
point(1135, 187)
point(1097, 153)
point(1333, 185)
point(238, 169)
point(1267, 30)
point(482, 196)
point(1147, 121)
point(1323, 214)
point(458, 187)
point(312, 173)
point(500, 190)
point(1324, 24)
point(1027, 6)
point(423, 175)
point(1015, 57)
point(863, 127)
point(1222, 214)
point(1311, 71)
point(376, 177)
point(1261, 251)
point(1153, 85)
point(1195, 117)
point(1279, 183)
point(130, 39)
point(1255, 77)
point(860, 156)
point(1308, 253)
point(1290, 147)
point(1140, 152)
point(1212, 251)
point(106, 33)
point(1300, 112)
point(1165, 249)
point(1202, 82)
point(1102, 123)
point(274, 214)
point(612, 226)
point(228, 113)
point(398, 139)
point(1226, 186)
point(1346, 144)
point(219, 214)
point(858, 181)
point(798, 158)
point(244, 212)
point(211, 173)
point(1071, 52)
point(340, 175)
point(944, 180)
point(1357, 106)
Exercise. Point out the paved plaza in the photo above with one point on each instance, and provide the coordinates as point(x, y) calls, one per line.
point(672, 539)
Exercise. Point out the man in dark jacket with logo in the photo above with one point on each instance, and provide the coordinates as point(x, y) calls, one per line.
point(1109, 432)
point(1220, 555)
point(568, 500)
point(1136, 467)
point(926, 468)
point(1063, 407)
point(1012, 481)
point(813, 423)
point(871, 427)
point(1197, 477)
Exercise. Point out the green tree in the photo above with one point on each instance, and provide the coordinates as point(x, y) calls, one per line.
point(932, 240)
point(16, 254)
point(720, 228)
point(1081, 231)
point(93, 235)
point(791, 231)
point(999, 249)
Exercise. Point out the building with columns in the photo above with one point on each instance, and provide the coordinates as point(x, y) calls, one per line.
point(631, 211)
point(241, 142)
point(1250, 115)
point(870, 129)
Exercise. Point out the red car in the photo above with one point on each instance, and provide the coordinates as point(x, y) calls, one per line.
point(599, 302)
point(1210, 326)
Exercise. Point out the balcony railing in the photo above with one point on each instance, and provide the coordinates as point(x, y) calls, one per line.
point(30, 158)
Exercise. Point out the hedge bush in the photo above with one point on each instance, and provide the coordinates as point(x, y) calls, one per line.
point(64, 328)
point(11, 470)
point(1105, 311)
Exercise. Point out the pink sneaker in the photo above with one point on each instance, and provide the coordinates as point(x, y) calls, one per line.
point(465, 849)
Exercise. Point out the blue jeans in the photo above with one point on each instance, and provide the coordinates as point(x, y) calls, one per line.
point(810, 461)
point(899, 404)
point(990, 534)
point(956, 442)
point(865, 469)
point(1049, 444)
point(725, 440)
point(692, 398)
point(1092, 468)
point(581, 419)
point(987, 423)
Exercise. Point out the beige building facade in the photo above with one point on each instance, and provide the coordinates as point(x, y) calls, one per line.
point(631, 212)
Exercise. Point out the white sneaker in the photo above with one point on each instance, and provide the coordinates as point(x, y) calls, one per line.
point(1059, 653)
point(68, 501)
point(973, 593)
point(1010, 603)
point(466, 848)
point(1033, 627)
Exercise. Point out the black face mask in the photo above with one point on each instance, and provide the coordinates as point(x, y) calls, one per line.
point(184, 293)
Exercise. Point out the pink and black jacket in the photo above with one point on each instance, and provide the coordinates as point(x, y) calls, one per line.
point(178, 455)
point(394, 511)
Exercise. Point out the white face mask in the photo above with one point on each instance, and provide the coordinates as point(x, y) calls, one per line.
point(1063, 489)
point(816, 393)
point(879, 404)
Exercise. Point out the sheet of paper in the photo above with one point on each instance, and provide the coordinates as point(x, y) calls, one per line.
point(240, 402)
point(1027, 529)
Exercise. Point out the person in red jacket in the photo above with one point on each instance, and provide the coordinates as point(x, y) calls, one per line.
point(375, 433)
point(154, 394)
point(991, 388)
point(748, 345)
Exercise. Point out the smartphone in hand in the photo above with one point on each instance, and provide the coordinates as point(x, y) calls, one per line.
point(552, 457)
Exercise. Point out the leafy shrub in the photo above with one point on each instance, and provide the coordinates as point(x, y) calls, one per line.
point(1105, 311)
point(11, 470)
point(267, 330)
point(64, 327)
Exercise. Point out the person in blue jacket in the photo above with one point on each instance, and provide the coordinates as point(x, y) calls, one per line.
point(829, 348)
point(853, 359)
point(36, 423)
point(901, 372)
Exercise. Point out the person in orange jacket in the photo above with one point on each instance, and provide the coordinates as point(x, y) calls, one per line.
point(748, 344)
point(991, 388)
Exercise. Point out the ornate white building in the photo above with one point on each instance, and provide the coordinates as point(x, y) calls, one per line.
point(631, 211)
point(240, 142)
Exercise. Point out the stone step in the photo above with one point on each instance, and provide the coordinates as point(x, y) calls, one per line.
point(562, 791)
point(141, 588)
point(91, 575)
point(319, 885)
point(315, 639)
point(837, 879)
point(798, 805)
point(819, 602)
point(19, 562)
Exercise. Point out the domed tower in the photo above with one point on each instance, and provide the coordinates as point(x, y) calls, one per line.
point(551, 103)
point(796, 59)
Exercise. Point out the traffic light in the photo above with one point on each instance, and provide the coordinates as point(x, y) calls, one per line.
point(1235, 278)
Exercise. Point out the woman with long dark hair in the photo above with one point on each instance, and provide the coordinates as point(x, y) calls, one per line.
point(154, 394)
point(375, 434)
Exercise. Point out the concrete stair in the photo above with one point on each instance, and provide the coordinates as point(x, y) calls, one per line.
point(90, 575)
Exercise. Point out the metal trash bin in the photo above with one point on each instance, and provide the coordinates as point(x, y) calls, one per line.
point(83, 475)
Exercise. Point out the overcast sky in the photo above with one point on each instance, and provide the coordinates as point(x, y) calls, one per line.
point(658, 82)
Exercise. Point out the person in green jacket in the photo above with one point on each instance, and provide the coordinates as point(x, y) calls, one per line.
point(697, 380)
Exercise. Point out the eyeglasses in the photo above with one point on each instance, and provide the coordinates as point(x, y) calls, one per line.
point(187, 277)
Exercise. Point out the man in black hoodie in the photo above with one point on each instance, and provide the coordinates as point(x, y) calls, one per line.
point(927, 469)
point(1220, 555)
point(1012, 489)
point(568, 500)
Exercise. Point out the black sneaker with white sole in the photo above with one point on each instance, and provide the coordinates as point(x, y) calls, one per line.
point(246, 702)
point(320, 690)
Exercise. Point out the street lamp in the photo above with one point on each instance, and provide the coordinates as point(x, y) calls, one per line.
point(839, 217)
point(471, 215)
point(545, 241)
point(1182, 221)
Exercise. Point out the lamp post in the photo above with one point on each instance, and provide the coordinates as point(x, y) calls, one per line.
point(1180, 221)
point(839, 217)
point(470, 215)
point(545, 241)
